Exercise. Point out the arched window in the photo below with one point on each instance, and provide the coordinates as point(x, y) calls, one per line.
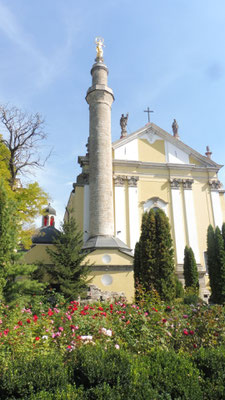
point(52, 221)
point(155, 203)
point(46, 220)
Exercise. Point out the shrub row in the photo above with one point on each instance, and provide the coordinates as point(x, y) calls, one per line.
point(91, 372)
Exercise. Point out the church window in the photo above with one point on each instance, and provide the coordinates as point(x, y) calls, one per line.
point(46, 220)
point(107, 280)
point(106, 258)
point(52, 221)
point(155, 203)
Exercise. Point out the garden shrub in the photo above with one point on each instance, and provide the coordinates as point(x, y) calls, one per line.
point(173, 375)
point(68, 393)
point(24, 375)
point(211, 364)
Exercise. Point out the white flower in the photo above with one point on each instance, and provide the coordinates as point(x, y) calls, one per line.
point(45, 337)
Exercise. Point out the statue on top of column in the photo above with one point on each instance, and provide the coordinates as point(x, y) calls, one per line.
point(99, 48)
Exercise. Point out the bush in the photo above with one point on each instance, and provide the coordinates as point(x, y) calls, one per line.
point(211, 364)
point(173, 375)
point(25, 375)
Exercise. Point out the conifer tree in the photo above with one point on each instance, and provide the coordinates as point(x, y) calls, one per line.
point(165, 274)
point(223, 234)
point(15, 277)
point(68, 275)
point(190, 270)
point(212, 265)
point(155, 265)
point(220, 267)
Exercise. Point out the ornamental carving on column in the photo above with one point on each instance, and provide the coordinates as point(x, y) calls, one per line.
point(175, 183)
point(132, 180)
point(214, 185)
point(119, 180)
point(187, 183)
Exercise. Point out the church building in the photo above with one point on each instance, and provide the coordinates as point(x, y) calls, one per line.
point(149, 168)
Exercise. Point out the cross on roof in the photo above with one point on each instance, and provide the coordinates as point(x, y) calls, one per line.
point(148, 111)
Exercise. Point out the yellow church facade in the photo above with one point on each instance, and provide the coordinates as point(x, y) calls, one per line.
point(152, 168)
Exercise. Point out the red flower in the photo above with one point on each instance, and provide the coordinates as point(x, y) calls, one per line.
point(195, 345)
point(101, 309)
point(103, 313)
point(164, 320)
point(35, 317)
point(19, 323)
point(37, 338)
point(185, 332)
point(111, 306)
point(6, 332)
point(191, 332)
point(128, 322)
point(154, 309)
point(50, 312)
point(28, 320)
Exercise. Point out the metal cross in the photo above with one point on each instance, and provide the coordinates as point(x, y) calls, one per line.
point(148, 111)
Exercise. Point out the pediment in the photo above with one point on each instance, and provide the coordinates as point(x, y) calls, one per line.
point(176, 152)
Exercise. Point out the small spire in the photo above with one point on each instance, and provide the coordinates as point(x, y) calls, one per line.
point(175, 128)
point(208, 152)
point(99, 41)
point(123, 124)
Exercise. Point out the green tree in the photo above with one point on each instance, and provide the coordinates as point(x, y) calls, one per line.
point(68, 274)
point(223, 234)
point(155, 263)
point(216, 264)
point(220, 267)
point(190, 270)
point(15, 277)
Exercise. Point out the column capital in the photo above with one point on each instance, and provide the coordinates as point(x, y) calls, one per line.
point(83, 179)
point(119, 180)
point(187, 183)
point(175, 183)
point(132, 180)
point(214, 184)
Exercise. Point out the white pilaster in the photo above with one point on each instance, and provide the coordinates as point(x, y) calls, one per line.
point(216, 206)
point(133, 211)
point(190, 218)
point(86, 213)
point(120, 209)
point(178, 220)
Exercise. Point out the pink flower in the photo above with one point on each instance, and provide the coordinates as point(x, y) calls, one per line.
point(35, 317)
point(164, 320)
point(185, 332)
point(117, 346)
point(6, 331)
point(191, 332)
point(0, 321)
point(61, 329)
point(185, 316)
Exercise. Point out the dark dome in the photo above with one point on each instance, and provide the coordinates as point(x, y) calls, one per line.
point(46, 235)
point(49, 210)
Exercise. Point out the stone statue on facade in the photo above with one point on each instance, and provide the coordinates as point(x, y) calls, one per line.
point(123, 124)
point(175, 128)
point(99, 48)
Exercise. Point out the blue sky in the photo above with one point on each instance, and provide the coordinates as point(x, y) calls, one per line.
point(165, 54)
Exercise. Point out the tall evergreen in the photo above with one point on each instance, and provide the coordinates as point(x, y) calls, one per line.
point(212, 264)
point(190, 269)
point(154, 264)
point(68, 275)
point(15, 277)
point(223, 234)
point(220, 266)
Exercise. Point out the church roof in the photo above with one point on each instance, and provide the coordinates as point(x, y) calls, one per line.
point(49, 210)
point(46, 235)
point(153, 129)
point(107, 242)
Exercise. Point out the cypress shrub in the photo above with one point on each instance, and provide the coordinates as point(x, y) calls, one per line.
point(190, 270)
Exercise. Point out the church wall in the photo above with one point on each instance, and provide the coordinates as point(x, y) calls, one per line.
point(37, 253)
point(192, 160)
point(128, 151)
point(122, 281)
point(77, 205)
point(154, 152)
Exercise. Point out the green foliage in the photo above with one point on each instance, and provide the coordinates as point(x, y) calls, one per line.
point(190, 270)
point(153, 260)
point(24, 375)
point(216, 264)
point(211, 364)
point(68, 275)
point(179, 288)
point(223, 234)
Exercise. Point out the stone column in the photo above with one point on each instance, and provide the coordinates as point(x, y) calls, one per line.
point(216, 206)
point(133, 210)
point(190, 217)
point(100, 98)
point(120, 208)
point(178, 219)
point(86, 208)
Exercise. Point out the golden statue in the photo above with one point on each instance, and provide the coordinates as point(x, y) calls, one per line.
point(99, 48)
